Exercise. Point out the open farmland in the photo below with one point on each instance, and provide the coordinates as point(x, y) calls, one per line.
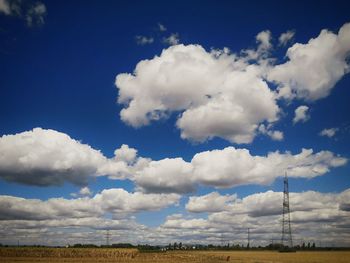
point(132, 255)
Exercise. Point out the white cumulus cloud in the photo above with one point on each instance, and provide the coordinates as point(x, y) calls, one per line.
point(315, 67)
point(48, 157)
point(85, 191)
point(231, 167)
point(220, 95)
point(161, 27)
point(229, 95)
point(314, 216)
point(212, 202)
point(273, 134)
point(329, 132)
point(121, 201)
point(301, 114)
point(286, 37)
point(116, 201)
point(125, 154)
point(166, 175)
point(33, 14)
point(173, 39)
point(143, 40)
point(178, 222)
point(5, 7)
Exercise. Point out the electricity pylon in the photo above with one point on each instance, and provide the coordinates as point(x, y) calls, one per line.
point(286, 228)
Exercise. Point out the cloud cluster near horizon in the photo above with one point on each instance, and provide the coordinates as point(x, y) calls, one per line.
point(314, 215)
point(115, 201)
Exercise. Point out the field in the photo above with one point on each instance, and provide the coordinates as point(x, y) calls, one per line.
point(89, 255)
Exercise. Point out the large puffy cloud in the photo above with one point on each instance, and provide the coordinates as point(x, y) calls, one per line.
point(119, 200)
point(48, 157)
point(167, 175)
point(231, 167)
point(212, 202)
point(314, 68)
point(219, 94)
point(116, 201)
point(126, 154)
point(177, 221)
point(13, 208)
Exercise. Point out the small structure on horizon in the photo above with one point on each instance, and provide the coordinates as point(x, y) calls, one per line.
point(108, 236)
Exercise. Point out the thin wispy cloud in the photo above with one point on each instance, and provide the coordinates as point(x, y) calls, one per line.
point(329, 132)
point(171, 40)
point(33, 13)
point(161, 27)
point(143, 40)
point(286, 37)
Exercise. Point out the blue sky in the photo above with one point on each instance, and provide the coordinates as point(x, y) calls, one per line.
point(59, 63)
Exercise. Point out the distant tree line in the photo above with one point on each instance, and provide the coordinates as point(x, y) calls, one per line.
point(181, 246)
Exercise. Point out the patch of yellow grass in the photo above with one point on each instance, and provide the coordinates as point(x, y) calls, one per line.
point(90, 255)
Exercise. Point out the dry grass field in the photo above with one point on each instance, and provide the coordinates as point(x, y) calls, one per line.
point(89, 255)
